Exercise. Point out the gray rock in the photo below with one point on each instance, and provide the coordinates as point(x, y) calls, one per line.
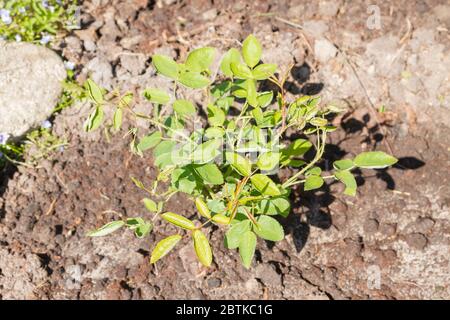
point(100, 71)
point(416, 240)
point(324, 50)
point(268, 275)
point(316, 28)
point(210, 14)
point(30, 85)
point(328, 8)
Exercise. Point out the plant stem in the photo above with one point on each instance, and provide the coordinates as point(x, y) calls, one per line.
point(304, 180)
point(318, 156)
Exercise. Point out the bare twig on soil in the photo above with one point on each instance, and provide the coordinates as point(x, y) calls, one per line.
point(352, 67)
point(293, 25)
point(372, 109)
point(51, 208)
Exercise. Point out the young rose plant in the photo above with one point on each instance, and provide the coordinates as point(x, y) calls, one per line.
point(227, 166)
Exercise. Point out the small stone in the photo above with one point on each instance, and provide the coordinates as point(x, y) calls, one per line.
point(133, 63)
point(416, 241)
point(371, 226)
point(30, 80)
point(74, 272)
point(89, 45)
point(328, 8)
point(101, 71)
point(214, 282)
point(268, 275)
point(210, 14)
point(324, 50)
point(315, 28)
point(129, 42)
point(387, 229)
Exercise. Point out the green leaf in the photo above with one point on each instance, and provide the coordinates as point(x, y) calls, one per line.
point(140, 227)
point(133, 223)
point(270, 119)
point(252, 95)
point(216, 116)
point(275, 206)
point(216, 205)
point(184, 107)
point(232, 55)
point(214, 132)
point(265, 98)
point(200, 59)
point(264, 71)
point(194, 80)
point(207, 151)
point(241, 164)
point(234, 234)
point(267, 161)
point(106, 229)
point(268, 228)
point(178, 220)
point(165, 65)
point(184, 180)
point(202, 208)
point(313, 182)
point(221, 219)
point(202, 248)
point(156, 96)
point(117, 120)
point(241, 71)
point(314, 171)
point(163, 153)
point(225, 103)
point(293, 162)
point(164, 147)
point(150, 205)
point(265, 185)
point(247, 247)
point(149, 141)
point(138, 183)
point(95, 92)
point(345, 164)
point(143, 230)
point(347, 178)
point(297, 148)
point(175, 124)
point(163, 247)
point(95, 119)
point(126, 99)
point(258, 115)
point(318, 122)
point(210, 173)
point(251, 51)
point(374, 160)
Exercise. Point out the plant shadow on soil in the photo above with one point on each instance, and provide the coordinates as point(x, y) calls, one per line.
point(6, 173)
point(312, 208)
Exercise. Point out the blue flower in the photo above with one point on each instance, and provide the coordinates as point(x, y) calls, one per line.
point(22, 9)
point(69, 65)
point(3, 138)
point(45, 39)
point(46, 124)
point(18, 37)
point(5, 16)
point(45, 3)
